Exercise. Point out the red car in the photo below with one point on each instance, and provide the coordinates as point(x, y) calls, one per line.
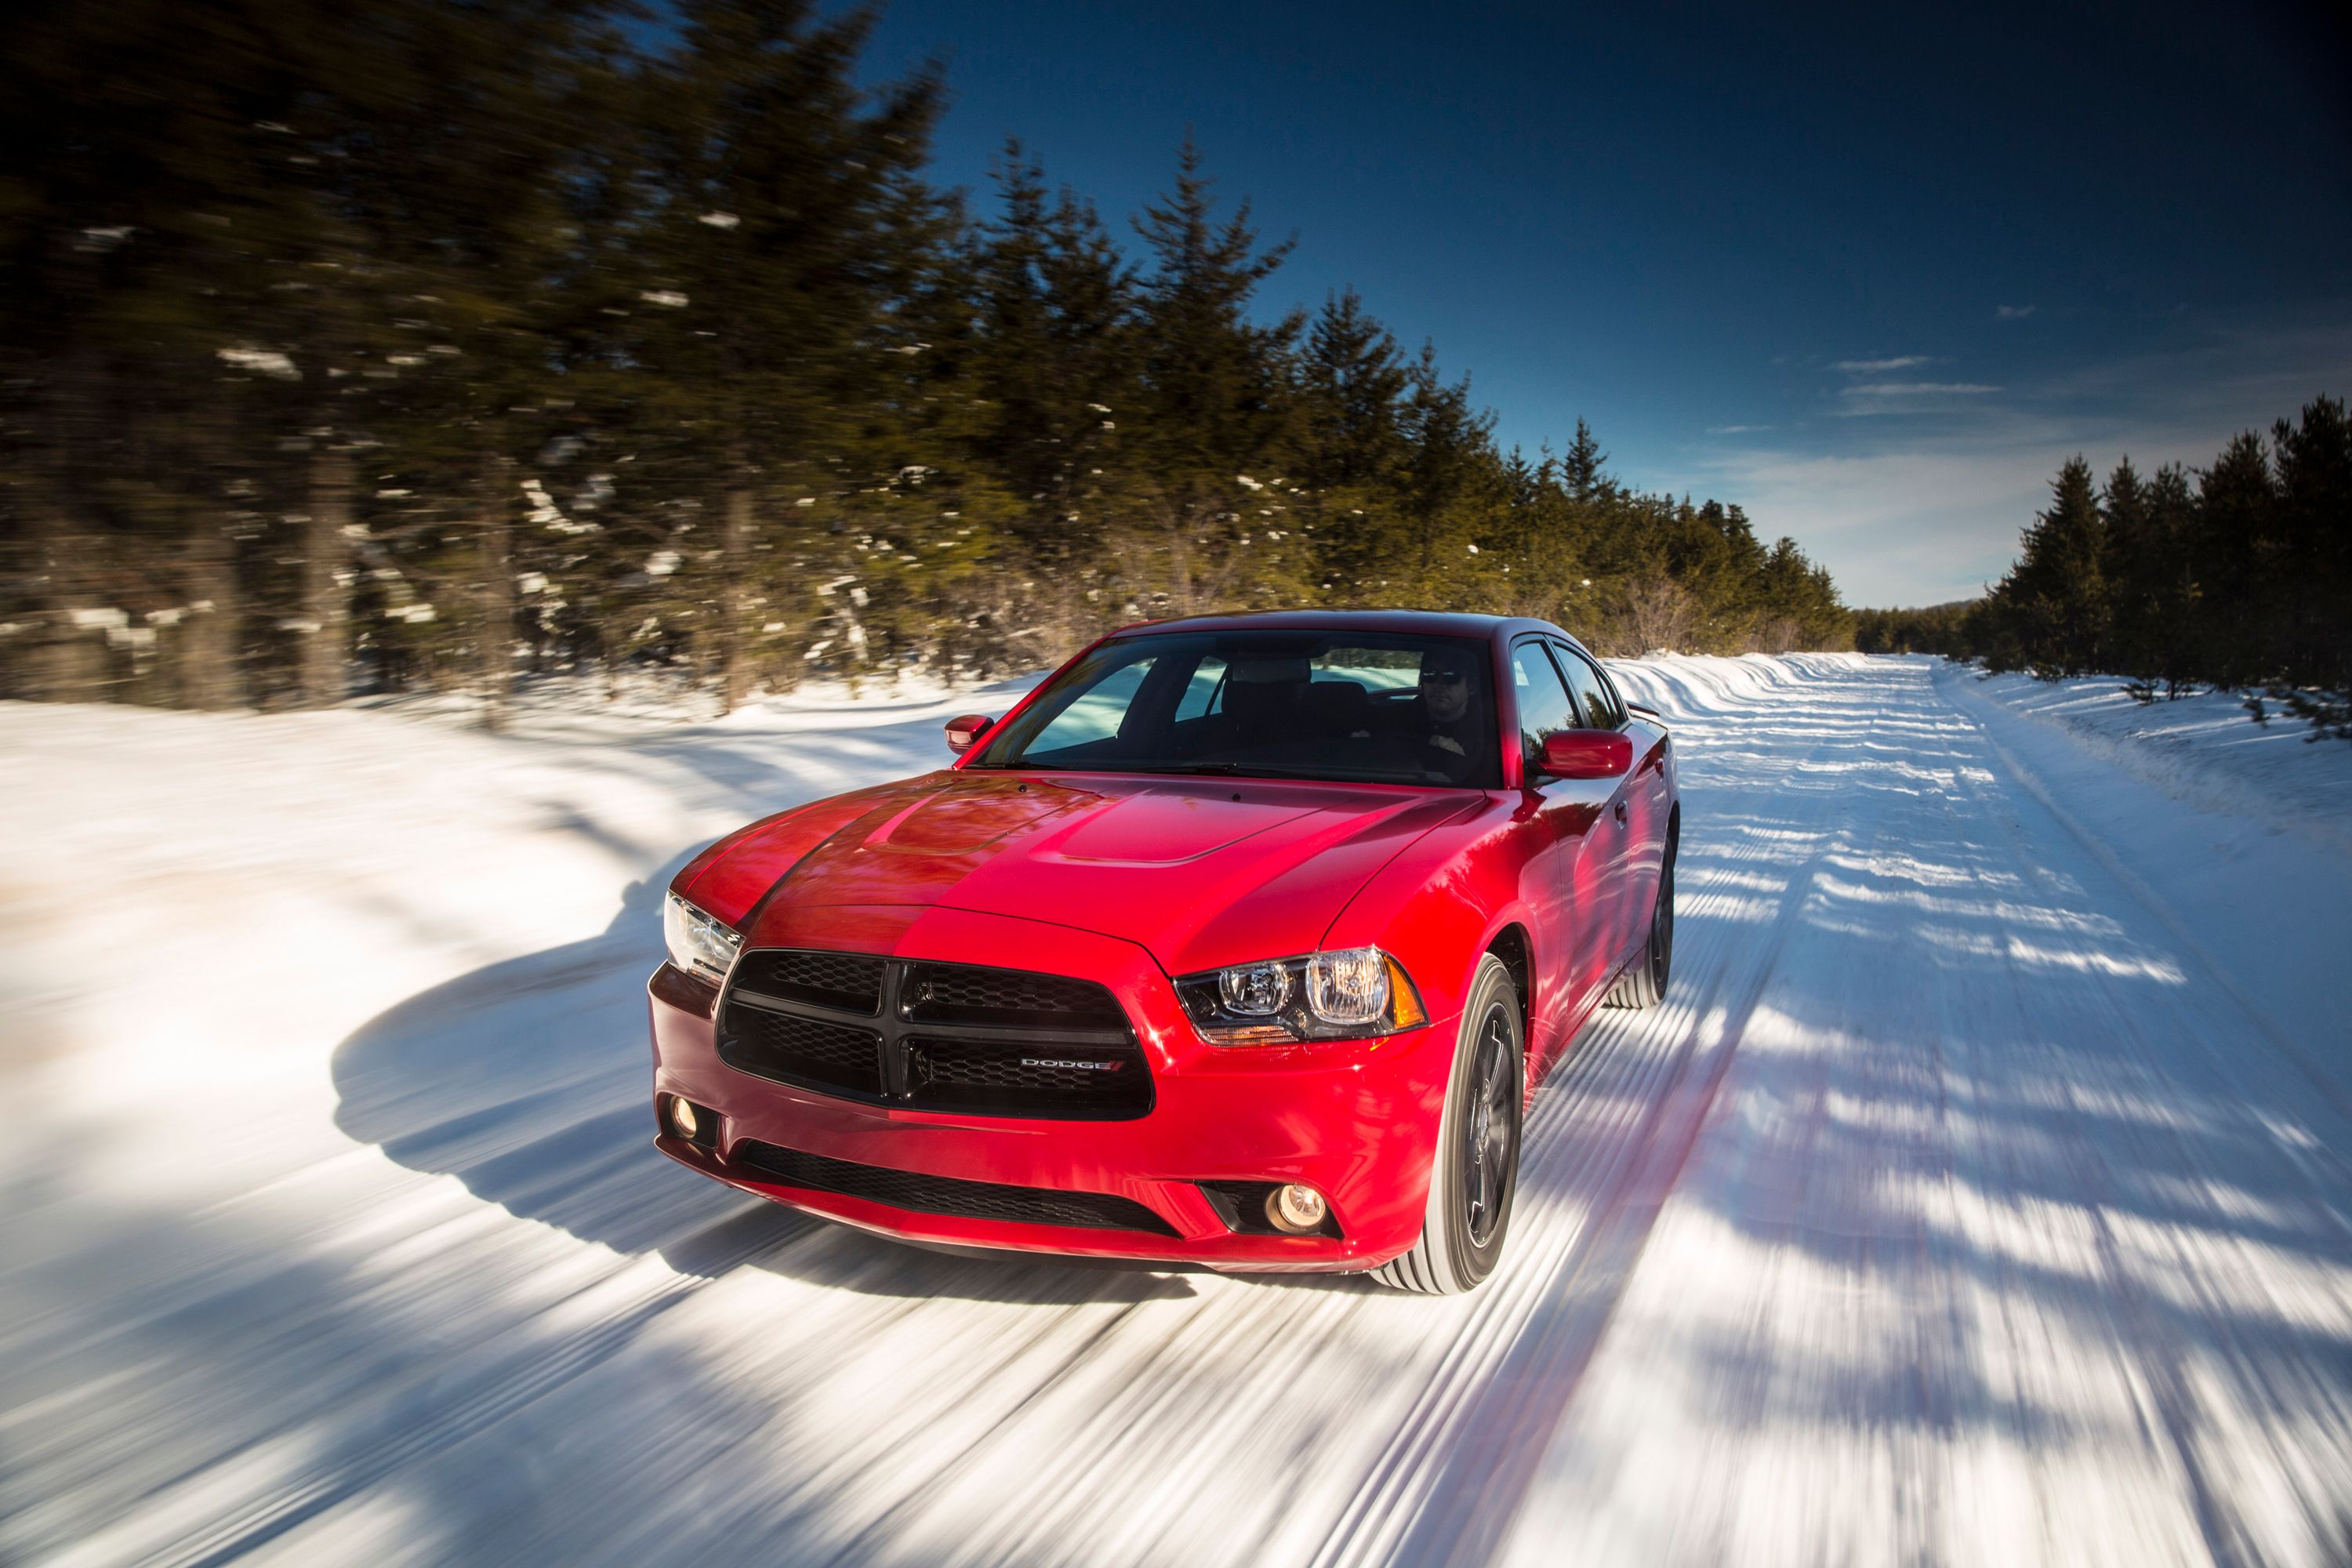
point(1241, 941)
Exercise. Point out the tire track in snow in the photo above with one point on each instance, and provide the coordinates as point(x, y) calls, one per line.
point(825, 1396)
point(2280, 1039)
point(494, 1378)
point(2165, 1350)
point(1941, 1321)
point(1451, 1487)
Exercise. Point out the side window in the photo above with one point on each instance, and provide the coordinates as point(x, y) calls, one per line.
point(1543, 701)
point(1202, 691)
point(1617, 714)
point(1592, 693)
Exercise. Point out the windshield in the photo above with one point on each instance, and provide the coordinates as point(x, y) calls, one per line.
point(1354, 706)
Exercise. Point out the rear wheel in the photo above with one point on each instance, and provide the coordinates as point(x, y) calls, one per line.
point(1475, 1172)
point(1645, 984)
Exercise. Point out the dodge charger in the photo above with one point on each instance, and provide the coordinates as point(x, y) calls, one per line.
point(1241, 941)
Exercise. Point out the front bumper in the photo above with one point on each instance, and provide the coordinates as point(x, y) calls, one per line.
point(1356, 1120)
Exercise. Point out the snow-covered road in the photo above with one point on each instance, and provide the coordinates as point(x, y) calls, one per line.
point(1979, 1195)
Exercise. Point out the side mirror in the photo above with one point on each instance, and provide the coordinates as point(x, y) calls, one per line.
point(1586, 754)
point(964, 733)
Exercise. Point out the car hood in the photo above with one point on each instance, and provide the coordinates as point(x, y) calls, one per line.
point(1200, 872)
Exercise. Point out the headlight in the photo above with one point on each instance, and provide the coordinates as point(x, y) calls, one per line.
point(1343, 995)
point(698, 944)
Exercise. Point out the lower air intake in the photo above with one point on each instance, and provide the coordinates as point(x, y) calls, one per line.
point(947, 1194)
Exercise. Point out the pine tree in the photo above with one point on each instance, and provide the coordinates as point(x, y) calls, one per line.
point(1797, 606)
point(1583, 467)
point(2311, 602)
point(1216, 414)
point(1351, 444)
point(135, 193)
point(764, 281)
point(2052, 607)
point(1052, 365)
point(428, 343)
point(1353, 380)
point(2176, 608)
point(2234, 540)
point(476, 229)
point(2138, 569)
point(1449, 482)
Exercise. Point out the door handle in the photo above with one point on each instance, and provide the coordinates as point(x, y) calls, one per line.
point(1621, 814)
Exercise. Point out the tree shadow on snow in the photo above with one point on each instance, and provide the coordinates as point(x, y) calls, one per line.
point(1976, 1107)
point(530, 1081)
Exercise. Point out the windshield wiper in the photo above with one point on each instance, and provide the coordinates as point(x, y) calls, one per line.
point(1128, 767)
point(1246, 770)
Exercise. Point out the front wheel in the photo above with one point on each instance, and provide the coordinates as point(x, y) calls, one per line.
point(1475, 1171)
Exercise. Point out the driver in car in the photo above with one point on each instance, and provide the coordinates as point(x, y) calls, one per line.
point(1452, 743)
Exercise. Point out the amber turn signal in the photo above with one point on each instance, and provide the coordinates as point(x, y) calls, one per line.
point(1405, 1011)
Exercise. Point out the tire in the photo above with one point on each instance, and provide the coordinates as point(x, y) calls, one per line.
point(1645, 984)
point(1469, 1211)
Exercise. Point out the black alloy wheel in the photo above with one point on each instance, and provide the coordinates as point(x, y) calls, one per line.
point(1474, 1174)
point(1490, 1153)
point(1660, 955)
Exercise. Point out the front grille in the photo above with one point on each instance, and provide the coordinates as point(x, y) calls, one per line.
point(1007, 1075)
point(947, 1194)
point(795, 1049)
point(955, 1037)
point(968, 994)
point(850, 981)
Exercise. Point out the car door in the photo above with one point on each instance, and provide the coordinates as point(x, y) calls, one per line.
point(1634, 826)
point(1568, 876)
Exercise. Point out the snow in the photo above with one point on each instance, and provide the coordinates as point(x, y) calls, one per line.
point(270, 362)
point(2204, 749)
point(1977, 1197)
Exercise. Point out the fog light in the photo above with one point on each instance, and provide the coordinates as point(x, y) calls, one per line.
point(1296, 1209)
point(682, 1119)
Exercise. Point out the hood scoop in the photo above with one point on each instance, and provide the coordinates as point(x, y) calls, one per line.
point(1164, 828)
point(963, 821)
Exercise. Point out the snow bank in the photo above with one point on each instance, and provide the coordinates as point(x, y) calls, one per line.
point(199, 906)
point(1977, 1195)
point(2205, 750)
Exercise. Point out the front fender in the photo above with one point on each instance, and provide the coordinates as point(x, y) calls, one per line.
point(1436, 907)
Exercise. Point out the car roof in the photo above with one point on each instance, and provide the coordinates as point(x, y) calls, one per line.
point(1428, 623)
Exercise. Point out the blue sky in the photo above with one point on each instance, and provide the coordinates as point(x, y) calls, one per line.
point(1871, 276)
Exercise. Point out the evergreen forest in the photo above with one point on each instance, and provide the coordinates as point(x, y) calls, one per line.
point(427, 345)
point(2236, 575)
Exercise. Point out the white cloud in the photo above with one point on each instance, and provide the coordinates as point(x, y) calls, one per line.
point(1928, 507)
point(1879, 367)
point(2014, 312)
point(1865, 398)
point(1912, 526)
point(1734, 429)
point(1919, 389)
